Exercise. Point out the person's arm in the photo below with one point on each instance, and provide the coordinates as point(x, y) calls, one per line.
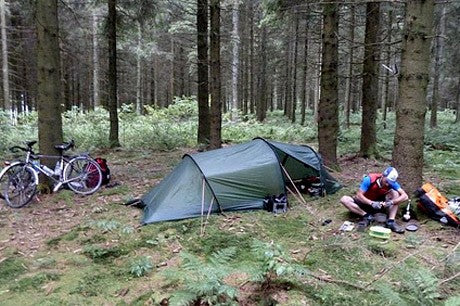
point(365, 185)
point(402, 196)
point(362, 198)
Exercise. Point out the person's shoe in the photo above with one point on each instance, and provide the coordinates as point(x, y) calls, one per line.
point(365, 222)
point(395, 227)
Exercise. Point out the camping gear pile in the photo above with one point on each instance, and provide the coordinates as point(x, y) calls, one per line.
point(238, 177)
point(437, 206)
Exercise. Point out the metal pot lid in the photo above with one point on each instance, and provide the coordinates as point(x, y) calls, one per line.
point(412, 227)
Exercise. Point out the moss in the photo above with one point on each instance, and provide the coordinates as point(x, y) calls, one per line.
point(386, 248)
point(72, 235)
point(65, 196)
point(114, 191)
point(10, 269)
point(35, 281)
point(102, 254)
point(45, 262)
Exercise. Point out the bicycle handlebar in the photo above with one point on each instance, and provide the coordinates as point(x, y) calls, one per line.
point(14, 149)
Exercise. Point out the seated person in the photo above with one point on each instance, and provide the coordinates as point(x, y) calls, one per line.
point(378, 192)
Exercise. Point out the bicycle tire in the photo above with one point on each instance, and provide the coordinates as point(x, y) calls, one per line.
point(84, 174)
point(20, 186)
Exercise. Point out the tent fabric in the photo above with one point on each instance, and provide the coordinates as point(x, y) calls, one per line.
point(238, 177)
point(302, 161)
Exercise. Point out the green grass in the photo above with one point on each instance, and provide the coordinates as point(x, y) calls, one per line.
point(11, 268)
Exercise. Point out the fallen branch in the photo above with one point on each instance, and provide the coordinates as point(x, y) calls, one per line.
point(387, 269)
point(449, 279)
point(445, 258)
point(329, 279)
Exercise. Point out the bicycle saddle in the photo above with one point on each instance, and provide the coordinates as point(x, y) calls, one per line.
point(30, 144)
point(65, 146)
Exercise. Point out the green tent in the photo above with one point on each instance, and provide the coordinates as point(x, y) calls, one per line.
point(238, 177)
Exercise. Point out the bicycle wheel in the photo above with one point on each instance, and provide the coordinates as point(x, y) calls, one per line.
point(20, 185)
point(83, 175)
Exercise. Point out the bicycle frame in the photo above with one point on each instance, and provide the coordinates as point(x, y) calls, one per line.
point(62, 159)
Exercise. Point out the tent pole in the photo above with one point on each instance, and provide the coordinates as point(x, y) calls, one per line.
point(295, 187)
point(202, 206)
point(296, 196)
point(293, 194)
point(207, 216)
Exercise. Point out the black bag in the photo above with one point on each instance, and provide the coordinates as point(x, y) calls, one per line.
point(276, 204)
point(102, 162)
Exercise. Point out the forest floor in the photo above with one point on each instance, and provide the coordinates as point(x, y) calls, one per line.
point(67, 249)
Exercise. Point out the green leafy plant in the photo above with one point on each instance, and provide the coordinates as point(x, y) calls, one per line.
point(141, 266)
point(273, 262)
point(203, 279)
point(422, 287)
point(100, 254)
point(106, 225)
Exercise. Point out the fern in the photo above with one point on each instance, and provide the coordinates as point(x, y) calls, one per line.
point(203, 279)
point(273, 262)
point(389, 296)
point(141, 266)
point(453, 301)
point(182, 298)
point(422, 287)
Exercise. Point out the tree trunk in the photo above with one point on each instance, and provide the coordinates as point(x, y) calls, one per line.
point(287, 80)
point(368, 146)
point(49, 79)
point(410, 109)
point(386, 100)
point(305, 73)
point(457, 115)
point(439, 50)
point(154, 84)
point(96, 99)
point(113, 103)
point(216, 103)
point(328, 109)
point(139, 102)
point(235, 57)
point(6, 82)
point(294, 72)
point(204, 129)
point(251, 58)
point(262, 77)
point(349, 83)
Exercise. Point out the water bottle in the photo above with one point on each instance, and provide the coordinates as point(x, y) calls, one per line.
point(36, 163)
point(57, 169)
point(47, 170)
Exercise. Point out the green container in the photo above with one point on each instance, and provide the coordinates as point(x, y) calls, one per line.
point(379, 232)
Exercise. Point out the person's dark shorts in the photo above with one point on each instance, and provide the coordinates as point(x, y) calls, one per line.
point(368, 208)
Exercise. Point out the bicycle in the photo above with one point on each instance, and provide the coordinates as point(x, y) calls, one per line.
point(80, 173)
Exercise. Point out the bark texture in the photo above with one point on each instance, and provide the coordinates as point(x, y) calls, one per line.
point(113, 105)
point(49, 78)
point(437, 68)
point(216, 103)
point(328, 109)
point(202, 67)
point(5, 70)
point(410, 109)
point(368, 146)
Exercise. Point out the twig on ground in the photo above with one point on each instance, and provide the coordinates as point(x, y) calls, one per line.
point(449, 279)
point(445, 258)
point(329, 279)
point(387, 269)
